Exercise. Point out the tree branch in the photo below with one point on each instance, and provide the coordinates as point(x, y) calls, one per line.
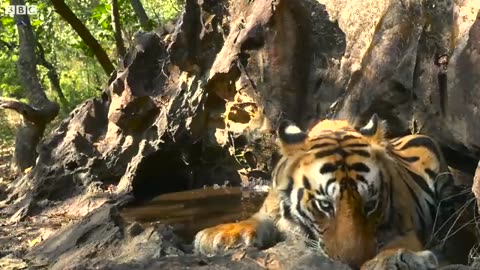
point(77, 25)
point(28, 112)
point(117, 30)
point(52, 72)
point(141, 14)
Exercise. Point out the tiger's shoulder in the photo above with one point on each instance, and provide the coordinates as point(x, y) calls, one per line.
point(423, 158)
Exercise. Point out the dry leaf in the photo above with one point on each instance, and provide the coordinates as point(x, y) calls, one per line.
point(35, 241)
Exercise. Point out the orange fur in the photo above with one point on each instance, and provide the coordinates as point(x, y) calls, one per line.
point(349, 234)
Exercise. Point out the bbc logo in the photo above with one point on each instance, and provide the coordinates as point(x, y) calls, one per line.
point(21, 10)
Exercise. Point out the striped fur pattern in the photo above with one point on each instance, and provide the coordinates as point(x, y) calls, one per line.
point(355, 196)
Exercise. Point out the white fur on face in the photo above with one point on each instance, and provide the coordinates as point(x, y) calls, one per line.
point(292, 130)
point(369, 125)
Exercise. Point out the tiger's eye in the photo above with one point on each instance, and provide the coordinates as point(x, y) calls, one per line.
point(324, 205)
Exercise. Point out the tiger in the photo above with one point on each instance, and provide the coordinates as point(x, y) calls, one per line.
point(358, 197)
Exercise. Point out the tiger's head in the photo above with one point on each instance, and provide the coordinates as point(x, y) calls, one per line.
point(331, 185)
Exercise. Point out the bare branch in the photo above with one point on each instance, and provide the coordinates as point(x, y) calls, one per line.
point(67, 14)
point(28, 112)
point(117, 30)
point(141, 14)
point(52, 73)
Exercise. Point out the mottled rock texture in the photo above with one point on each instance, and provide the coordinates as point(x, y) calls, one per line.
point(200, 106)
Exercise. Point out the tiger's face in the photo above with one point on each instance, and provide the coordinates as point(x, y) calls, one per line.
point(331, 183)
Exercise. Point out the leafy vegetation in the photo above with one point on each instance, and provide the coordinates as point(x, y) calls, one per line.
point(80, 75)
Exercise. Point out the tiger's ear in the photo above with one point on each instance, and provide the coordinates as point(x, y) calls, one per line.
point(375, 128)
point(291, 137)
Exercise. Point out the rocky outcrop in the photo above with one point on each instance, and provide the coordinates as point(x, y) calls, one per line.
point(200, 106)
point(415, 63)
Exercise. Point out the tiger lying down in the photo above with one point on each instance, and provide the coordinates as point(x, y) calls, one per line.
point(356, 196)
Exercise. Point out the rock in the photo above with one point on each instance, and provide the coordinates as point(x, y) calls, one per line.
point(293, 254)
point(74, 243)
point(391, 68)
point(458, 267)
point(101, 240)
point(10, 262)
point(101, 237)
point(200, 108)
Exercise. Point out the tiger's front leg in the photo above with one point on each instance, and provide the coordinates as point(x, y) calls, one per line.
point(259, 231)
point(401, 255)
point(402, 259)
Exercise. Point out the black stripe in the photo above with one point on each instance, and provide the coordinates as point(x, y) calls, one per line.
point(328, 168)
point(361, 178)
point(286, 211)
point(308, 231)
point(357, 145)
point(421, 183)
point(299, 196)
point(329, 182)
point(362, 153)
point(433, 210)
point(422, 141)
point(289, 186)
point(359, 167)
point(348, 137)
point(322, 154)
point(342, 152)
point(300, 193)
point(320, 145)
point(321, 191)
point(306, 183)
point(431, 174)
point(408, 159)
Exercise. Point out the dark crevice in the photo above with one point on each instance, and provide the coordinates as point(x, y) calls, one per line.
point(161, 172)
point(460, 160)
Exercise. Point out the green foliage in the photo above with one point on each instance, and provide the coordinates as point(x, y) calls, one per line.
point(81, 76)
point(9, 83)
point(163, 11)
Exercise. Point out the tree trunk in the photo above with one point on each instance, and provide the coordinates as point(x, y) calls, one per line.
point(40, 110)
point(117, 30)
point(67, 14)
point(141, 14)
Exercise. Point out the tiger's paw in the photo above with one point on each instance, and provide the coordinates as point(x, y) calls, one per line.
point(402, 259)
point(229, 236)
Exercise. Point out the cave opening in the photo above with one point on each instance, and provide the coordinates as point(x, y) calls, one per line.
point(161, 172)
